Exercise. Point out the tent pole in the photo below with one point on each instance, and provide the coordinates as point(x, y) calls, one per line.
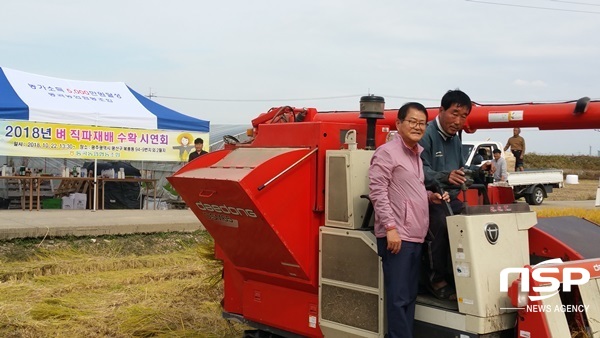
point(141, 190)
point(95, 183)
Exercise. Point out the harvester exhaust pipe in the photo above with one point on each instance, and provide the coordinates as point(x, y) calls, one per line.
point(371, 108)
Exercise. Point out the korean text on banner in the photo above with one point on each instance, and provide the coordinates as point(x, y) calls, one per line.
point(36, 139)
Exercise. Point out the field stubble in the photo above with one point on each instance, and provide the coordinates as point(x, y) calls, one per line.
point(160, 285)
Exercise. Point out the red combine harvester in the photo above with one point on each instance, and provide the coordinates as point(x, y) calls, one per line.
point(295, 235)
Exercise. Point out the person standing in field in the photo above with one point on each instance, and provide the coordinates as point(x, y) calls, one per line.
point(516, 143)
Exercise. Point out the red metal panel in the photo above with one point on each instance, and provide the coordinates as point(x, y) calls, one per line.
point(203, 162)
point(287, 309)
point(496, 195)
point(258, 230)
point(471, 197)
point(500, 195)
point(233, 284)
point(323, 136)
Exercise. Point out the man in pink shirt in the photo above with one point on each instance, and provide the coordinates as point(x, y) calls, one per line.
point(401, 205)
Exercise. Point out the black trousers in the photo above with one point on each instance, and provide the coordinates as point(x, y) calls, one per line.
point(438, 264)
point(518, 160)
point(401, 282)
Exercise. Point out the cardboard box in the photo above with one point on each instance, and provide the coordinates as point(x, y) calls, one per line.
point(67, 202)
point(79, 201)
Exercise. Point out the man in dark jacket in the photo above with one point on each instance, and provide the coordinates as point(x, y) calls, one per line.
point(443, 165)
point(198, 144)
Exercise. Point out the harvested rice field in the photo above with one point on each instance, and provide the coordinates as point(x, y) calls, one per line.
point(159, 285)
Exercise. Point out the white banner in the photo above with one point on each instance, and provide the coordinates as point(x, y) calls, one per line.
point(79, 102)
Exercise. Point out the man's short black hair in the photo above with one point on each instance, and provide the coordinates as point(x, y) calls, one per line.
point(497, 151)
point(198, 141)
point(456, 96)
point(403, 111)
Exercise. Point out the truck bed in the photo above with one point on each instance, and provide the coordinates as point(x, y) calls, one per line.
point(552, 177)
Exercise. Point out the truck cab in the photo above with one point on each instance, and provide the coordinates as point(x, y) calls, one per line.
point(533, 185)
point(472, 148)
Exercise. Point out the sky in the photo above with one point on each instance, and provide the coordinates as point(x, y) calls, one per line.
point(228, 61)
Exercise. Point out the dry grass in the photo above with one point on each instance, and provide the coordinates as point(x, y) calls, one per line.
point(128, 286)
point(587, 167)
point(589, 214)
point(585, 190)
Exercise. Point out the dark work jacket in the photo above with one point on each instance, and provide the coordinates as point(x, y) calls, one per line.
point(194, 154)
point(440, 156)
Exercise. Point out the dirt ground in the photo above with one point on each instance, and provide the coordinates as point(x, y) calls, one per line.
point(585, 190)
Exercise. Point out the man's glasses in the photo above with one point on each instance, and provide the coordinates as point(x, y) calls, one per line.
point(416, 124)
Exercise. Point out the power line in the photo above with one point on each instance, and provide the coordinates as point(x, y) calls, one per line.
point(575, 3)
point(534, 7)
point(258, 100)
point(410, 98)
point(485, 102)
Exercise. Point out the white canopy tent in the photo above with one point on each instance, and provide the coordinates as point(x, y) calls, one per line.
point(50, 117)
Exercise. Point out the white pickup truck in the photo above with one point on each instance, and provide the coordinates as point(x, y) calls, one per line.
point(534, 185)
